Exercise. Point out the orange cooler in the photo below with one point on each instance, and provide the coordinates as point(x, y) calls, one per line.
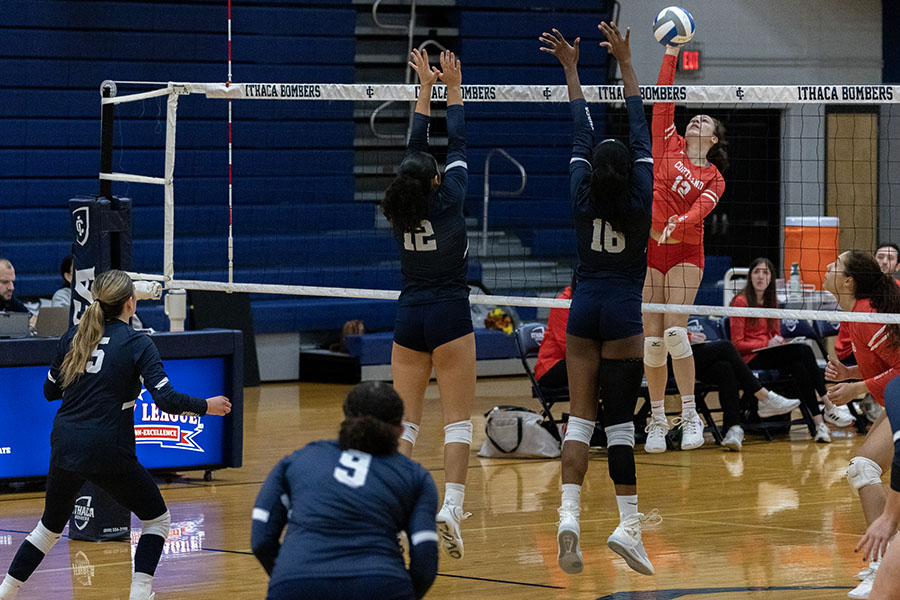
point(812, 242)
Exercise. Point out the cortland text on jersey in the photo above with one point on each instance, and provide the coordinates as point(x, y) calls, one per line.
point(686, 171)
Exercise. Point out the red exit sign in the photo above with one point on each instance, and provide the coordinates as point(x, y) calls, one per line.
point(690, 60)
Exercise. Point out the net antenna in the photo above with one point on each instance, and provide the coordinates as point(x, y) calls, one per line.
point(779, 97)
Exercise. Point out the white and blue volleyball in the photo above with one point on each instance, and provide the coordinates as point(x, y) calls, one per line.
point(673, 26)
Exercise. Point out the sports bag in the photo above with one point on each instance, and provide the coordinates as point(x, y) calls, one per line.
point(517, 432)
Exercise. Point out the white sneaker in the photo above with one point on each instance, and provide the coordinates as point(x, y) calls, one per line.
point(823, 434)
point(865, 586)
point(448, 520)
point(691, 429)
point(569, 558)
point(733, 438)
point(870, 408)
point(839, 416)
point(865, 572)
point(656, 435)
point(626, 541)
point(776, 404)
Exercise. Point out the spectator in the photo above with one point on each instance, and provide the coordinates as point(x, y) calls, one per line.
point(550, 368)
point(887, 256)
point(8, 302)
point(63, 296)
point(762, 347)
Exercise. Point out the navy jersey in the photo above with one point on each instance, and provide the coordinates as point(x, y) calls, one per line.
point(94, 428)
point(343, 510)
point(603, 252)
point(434, 258)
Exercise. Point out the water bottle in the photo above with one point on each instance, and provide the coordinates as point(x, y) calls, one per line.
point(795, 295)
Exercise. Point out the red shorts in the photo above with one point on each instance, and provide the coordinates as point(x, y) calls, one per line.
point(663, 257)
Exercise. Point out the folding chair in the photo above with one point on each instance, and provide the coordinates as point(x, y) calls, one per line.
point(528, 338)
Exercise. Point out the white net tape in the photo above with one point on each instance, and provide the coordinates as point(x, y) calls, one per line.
point(682, 94)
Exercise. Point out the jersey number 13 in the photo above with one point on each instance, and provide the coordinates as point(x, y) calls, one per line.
point(604, 239)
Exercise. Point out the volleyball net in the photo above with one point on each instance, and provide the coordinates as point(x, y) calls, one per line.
point(286, 203)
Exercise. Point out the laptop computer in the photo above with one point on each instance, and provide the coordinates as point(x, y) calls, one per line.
point(14, 324)
point(52, 321)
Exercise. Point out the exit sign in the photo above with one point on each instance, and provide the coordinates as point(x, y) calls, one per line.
point(690, 60)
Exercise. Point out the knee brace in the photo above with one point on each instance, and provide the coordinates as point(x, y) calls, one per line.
point(863, 471)
point(654, 352)
point(42, 538)
point(620, 435)
point(621, 465)
point(579, 430)
point(458, 433)
point(677, 342)
point(410, 432)
point(620, 384)
point(158, 526)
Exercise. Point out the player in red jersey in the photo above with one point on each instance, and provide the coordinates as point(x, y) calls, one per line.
point(687, 185)
point(859, 285)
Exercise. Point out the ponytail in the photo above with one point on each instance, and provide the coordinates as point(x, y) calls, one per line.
point(405, 202)
point(718, 153)
point(111, 290)
point(373, 413)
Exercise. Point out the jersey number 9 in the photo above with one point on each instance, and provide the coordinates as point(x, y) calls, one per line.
point(604, 239)
point(353, 468)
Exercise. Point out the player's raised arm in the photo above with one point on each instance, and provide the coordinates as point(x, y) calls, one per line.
point(618, 46)
point(451, 75)
point(428, 75)
point(556, 44)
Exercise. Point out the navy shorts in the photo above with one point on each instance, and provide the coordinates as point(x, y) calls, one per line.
point(373, 587)
point(605, 310)
point(424, 327)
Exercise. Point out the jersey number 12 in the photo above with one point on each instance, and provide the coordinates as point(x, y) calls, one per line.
point(604, 239)
point(424, 238)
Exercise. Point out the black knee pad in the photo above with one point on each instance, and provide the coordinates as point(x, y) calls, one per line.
point(621, 465)
point(620, 384)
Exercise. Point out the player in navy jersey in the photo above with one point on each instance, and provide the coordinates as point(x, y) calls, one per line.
point(97, 371)
point(434, 325)
point(344, 502)
point(611, 190)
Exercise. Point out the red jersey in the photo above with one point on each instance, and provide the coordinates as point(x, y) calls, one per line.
point(680, 188)
point(878, 361)
point(553, 348)
point(842, 346)
point(748, 337)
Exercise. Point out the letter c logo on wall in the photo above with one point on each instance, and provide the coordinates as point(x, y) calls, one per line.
point(82, 225)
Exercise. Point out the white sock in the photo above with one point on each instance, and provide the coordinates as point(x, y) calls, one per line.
point(628, 506)
point(571, 495)
point(141, 586)
point(658, 408)
point(687, 404)
point(9, 588)
point(454, 493)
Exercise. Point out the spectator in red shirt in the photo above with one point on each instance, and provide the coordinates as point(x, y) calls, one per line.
point(762, 347)
point(860, 285)
point(550, 368)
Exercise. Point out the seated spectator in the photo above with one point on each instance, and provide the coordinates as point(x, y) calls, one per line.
point(762, 347)
point(717, 362)
point(8, 302)
point(550, 368)
point(63, 296)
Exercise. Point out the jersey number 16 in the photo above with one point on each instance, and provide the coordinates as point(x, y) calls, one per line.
point(604, 239)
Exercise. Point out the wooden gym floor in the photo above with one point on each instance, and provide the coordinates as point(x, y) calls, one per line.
point(775, 521)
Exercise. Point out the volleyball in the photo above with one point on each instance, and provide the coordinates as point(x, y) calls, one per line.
point(673, 26)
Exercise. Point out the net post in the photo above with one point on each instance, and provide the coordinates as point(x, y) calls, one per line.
point(107, 118)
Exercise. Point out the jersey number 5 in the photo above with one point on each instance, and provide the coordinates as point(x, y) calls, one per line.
point(96, 363)
point(424, 238)
point(604, 239)
point(353, 468)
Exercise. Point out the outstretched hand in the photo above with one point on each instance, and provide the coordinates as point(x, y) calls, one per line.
point(451, 73)
point(836, 371)
point(556, 44)
point(419, 63)
point(615, 42)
